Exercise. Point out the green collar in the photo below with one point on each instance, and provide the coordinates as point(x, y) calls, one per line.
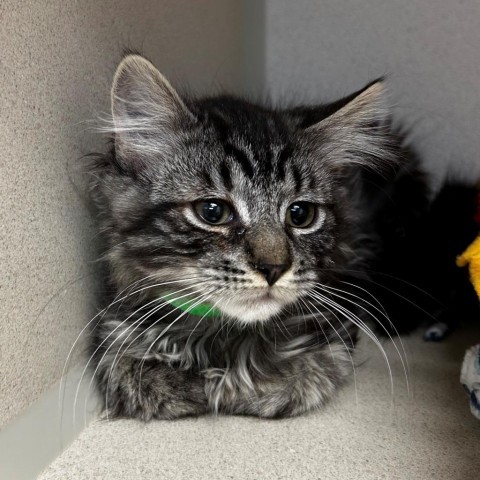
point(204, 310)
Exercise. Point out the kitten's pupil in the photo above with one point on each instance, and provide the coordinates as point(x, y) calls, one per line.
point(300, 214)
point(213, 211)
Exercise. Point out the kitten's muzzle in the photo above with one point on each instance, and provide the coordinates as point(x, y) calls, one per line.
point(269, 252)
point(272, 272)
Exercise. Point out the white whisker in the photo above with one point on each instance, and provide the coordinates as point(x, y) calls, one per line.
point(316, 322)
point(402, 359)
point(135, 324)
point(104, 340)
point(360, 324)
point(138, 324)
point(346, 348)
point(384, 312)
point(100, 315)
point(202, 298)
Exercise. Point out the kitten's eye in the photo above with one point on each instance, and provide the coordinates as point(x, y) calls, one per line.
point(214, 212)
point(300, 214)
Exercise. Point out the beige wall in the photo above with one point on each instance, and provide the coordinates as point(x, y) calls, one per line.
point(430, 50)
point(56, 61)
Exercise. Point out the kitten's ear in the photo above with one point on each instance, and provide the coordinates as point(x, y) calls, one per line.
point(358, 133)
point(145, 110)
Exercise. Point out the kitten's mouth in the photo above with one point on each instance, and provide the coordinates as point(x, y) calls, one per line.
point(265, 294)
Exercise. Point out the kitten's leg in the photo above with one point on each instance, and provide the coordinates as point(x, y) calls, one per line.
point(155, 390)
point(303, 383)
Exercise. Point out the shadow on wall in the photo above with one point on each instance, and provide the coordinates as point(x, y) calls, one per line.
point(429, 50)
point(57, 63)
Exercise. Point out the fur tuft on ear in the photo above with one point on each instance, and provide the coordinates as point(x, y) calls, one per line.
point(145, 110)
point(358, 133)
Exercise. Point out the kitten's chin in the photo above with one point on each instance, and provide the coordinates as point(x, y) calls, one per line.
point(260, 313)
point(253, 310)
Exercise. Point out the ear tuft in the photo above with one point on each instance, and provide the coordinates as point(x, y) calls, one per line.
point(368, 106)
point(139, 89)
point(145, 108)
point(359, 132)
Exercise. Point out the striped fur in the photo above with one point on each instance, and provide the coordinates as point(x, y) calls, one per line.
point(277, 350)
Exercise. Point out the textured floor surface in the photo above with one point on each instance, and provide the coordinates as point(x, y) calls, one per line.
point(427, 434)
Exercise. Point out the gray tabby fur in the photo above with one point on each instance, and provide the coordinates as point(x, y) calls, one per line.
point(278, 350)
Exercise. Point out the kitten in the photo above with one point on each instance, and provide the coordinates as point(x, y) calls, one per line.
point(240, 241)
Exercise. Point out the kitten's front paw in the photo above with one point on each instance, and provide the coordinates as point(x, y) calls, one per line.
point(295, 387)
point(154, 390)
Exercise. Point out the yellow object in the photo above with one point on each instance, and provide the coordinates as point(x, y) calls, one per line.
point(471, 257)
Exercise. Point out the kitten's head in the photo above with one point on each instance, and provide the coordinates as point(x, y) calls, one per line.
point(232, 204)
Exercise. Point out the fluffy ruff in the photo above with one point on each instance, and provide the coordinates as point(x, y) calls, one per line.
point(167, 370)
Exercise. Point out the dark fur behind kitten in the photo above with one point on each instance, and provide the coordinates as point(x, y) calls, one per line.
point(279, 221)
point(452, 224)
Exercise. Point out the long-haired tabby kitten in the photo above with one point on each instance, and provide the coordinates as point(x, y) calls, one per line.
point(240, 241)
